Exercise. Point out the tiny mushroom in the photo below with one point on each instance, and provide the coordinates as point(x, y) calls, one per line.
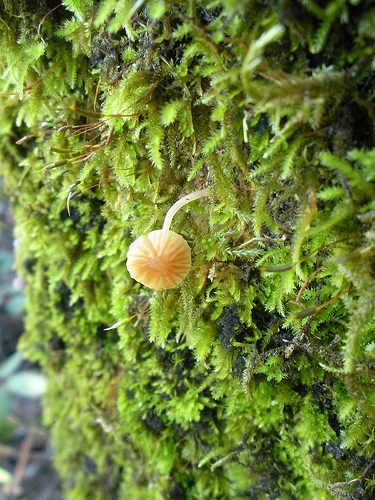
point(163, 258)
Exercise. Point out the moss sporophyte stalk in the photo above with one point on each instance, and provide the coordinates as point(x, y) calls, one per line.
point(163, 258)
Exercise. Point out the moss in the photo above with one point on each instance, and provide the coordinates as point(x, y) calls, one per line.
point(254, 377)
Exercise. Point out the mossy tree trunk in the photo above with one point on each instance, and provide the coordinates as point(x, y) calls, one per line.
point(254, 378)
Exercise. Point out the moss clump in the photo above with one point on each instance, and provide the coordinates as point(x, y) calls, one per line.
point(254, 377)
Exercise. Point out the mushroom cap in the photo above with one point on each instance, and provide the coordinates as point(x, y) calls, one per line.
point(160, 260)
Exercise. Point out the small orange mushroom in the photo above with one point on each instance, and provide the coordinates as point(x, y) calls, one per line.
point(163, 258)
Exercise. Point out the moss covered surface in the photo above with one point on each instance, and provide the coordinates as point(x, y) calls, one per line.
point(255, 377)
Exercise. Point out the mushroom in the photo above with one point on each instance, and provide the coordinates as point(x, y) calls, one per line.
point(163, 258)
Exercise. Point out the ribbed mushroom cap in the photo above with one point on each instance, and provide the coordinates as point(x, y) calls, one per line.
point(160, 260)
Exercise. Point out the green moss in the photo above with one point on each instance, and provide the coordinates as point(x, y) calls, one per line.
point(254, 377)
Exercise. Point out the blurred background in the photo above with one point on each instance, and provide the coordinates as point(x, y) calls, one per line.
point(26, 456)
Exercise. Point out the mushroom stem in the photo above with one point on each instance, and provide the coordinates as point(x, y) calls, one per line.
point(180, 203)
